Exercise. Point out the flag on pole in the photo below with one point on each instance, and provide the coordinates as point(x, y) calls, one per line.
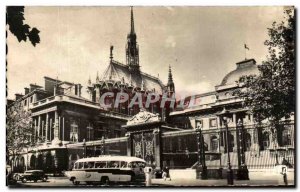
point(246, 47)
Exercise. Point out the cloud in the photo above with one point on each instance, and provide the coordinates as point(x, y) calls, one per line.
point(192, 89)
point(170, 42)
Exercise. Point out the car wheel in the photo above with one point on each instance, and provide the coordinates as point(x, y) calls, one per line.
point(24, 180)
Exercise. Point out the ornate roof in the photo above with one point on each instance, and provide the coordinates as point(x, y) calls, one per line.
point(119, 73)
point(246, 67)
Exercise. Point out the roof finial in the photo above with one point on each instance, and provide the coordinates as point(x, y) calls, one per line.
point(97, 78)
point(89, 81)
point(132, 21)
point(111, 53)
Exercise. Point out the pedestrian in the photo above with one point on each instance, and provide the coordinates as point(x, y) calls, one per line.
point(166, 173)
point(284, 174)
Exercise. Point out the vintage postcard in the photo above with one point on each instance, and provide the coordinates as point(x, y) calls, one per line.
point(150, 96)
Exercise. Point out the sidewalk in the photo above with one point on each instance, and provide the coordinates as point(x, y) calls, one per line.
point(220, 182)
point(256, 179)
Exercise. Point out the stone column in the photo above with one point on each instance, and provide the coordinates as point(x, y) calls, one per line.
point(59, 136)
point(43, 124)
point(234, 134)
point(50, 130)
point(47, 126)
point(234, 119)
point(35, 130)
point(39, 127)
point(56, 140)
point(157, 149)
point(63, 128)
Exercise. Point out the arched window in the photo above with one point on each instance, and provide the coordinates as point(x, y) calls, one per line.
point(247, 142)
point(214, 144)
point(286, 137)
point(266, 141)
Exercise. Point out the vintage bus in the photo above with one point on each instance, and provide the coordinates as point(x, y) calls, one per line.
point(105, 169)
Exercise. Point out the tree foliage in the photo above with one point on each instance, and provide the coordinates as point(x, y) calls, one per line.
point(271, 94)
point(19, 130)
point(15, 21)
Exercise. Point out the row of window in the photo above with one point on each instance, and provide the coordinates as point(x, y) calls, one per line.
point(108, 164)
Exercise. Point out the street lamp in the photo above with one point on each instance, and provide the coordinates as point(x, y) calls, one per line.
point(242, 172)
point(84, 148)
point(201, 153)
point(224, 115)
point(103, 146)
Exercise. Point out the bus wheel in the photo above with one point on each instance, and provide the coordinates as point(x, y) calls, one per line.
point(105, 180)
point(75, 182)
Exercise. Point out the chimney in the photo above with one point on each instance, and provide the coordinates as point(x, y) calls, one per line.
point(34, 86)
point(18, 96)
point(26, 90)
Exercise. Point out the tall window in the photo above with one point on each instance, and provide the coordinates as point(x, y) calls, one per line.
point(266, 141)
point(214, 144)
point(74, 133)
point(247, 141)
point(90, 132)
point(286, 137)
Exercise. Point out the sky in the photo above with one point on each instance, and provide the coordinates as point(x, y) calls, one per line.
point(202, 44)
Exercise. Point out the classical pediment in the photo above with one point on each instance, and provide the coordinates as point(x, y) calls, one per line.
point(143, 117)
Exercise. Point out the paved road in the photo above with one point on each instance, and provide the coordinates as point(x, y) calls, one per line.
point(256, 179)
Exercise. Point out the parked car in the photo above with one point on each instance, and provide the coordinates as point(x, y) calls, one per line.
point(33, 175)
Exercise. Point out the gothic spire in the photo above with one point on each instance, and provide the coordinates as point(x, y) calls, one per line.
point(111, 52)
point(170, 85)
point(132, 48)
point(170, 79)
point(132, 21)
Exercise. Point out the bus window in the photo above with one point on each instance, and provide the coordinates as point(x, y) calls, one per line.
point(132, 165)
point(123, 164)
point(80, 165)
point(113, 164)
point(100, 164)
point(86, 165)
point(91, 164)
